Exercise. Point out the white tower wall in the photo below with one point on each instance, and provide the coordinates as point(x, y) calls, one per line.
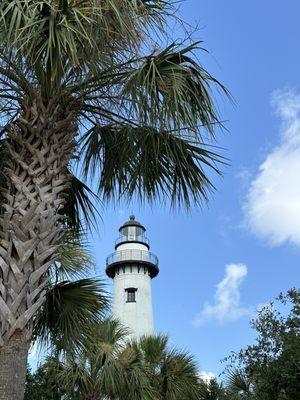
point(138, 315)
point(132, 246)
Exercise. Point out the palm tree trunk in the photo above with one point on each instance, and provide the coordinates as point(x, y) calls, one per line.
point(40, 144)
point(13, 362)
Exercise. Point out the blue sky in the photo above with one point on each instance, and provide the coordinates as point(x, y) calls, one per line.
point(220, 262)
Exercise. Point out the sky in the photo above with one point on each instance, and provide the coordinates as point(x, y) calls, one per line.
point(221, 262)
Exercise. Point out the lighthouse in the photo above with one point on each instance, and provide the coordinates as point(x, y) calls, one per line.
point(132, 267)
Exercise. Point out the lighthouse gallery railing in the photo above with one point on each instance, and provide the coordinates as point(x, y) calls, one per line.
point(132, 238)
point(131, 255)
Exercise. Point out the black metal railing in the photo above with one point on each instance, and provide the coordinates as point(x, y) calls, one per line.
point(132, 238)
point(132, 255)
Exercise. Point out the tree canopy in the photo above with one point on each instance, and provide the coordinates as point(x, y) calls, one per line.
point(270, 369)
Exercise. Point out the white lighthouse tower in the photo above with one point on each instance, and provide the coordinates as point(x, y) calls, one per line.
point(132, 268)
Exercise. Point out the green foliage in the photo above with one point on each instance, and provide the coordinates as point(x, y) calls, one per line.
point(42, 384)
point(212, 390)
point(174, 374)
point(76, 31)
point(239, 385)
point(73, 301)
point(123, 156)
point(104, 368)
point(270, 369)
point(79, 209)
point(171, 89)
point(63, 320)
point(152, 117)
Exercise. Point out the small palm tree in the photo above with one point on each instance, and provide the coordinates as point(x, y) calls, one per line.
point(174, 374)
point(104, 368)
point(86, 80)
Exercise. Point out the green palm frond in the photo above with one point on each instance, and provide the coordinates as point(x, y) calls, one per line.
point(79, 207)
point(237, 382)
point(174, 374)
point(68, 311)
point(154, 348)
point(137, 376)
point(74, 258)
point(108, 336)
point(105, 367)
point(74, 32)
point(172, 91)
point(143, 162)
point(74, 377)
point(180, 376)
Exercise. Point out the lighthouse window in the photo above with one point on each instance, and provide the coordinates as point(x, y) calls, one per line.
point(131, 295)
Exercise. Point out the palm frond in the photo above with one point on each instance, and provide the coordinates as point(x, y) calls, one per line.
point(171, 90)
point(180, 376)
point(149, 164)
point(103, 366)
point(137, 377)
point(237, 382)
point(79, 207)
point(109, 336)
point(53, 33)
point(69, 310)
point(73, 259)
point(154, 348)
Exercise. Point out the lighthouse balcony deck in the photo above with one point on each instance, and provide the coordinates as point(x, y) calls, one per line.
point(131, 256)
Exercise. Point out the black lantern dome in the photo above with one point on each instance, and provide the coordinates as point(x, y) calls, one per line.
point(132, 222)
point(132, 231)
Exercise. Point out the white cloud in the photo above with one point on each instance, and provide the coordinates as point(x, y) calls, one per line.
point(272, 207)
point(226, 306)
point(206, 376)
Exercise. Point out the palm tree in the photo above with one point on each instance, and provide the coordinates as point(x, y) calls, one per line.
point(174, 374)
point(104, 368)
point(108, 367)
point(76, 83)
point(239, 386)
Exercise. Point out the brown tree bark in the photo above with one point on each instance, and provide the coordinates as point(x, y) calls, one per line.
point(39, 148)
point(13, 357)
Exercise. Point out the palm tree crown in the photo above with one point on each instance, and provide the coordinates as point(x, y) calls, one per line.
point(104, 368)
point(134, 113)
point(174, 374)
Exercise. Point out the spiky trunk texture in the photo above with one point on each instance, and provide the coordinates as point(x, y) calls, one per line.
point(39, 148)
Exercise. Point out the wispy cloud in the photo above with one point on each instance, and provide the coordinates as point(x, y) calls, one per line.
point(226, 306)
point(272, 207)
